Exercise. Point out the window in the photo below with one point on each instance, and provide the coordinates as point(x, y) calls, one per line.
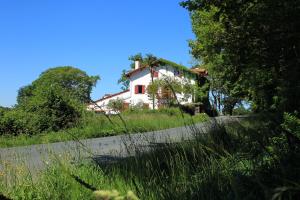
point(139, 89)
point(155, 74)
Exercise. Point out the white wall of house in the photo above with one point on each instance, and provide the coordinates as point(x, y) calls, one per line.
point(144, 78)
point(140, 78)
point(102, 103)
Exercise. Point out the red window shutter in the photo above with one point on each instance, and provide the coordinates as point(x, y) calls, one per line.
point(143, 89)
point(136, 89)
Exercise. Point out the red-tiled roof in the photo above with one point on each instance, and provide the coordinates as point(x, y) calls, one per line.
point(130, 73)
point(199, 71)
point(112, 95)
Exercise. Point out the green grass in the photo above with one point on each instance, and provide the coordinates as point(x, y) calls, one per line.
point(99, 126)
point(239, 161)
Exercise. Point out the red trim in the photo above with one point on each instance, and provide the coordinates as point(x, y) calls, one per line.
point(135, 71)
point(113, 95)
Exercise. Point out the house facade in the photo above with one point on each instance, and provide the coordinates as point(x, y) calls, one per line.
point(140, 79)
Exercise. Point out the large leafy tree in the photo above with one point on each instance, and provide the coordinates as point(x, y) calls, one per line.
point(252, 49)
point(74, 83)
point(57, 98)
point(209, 48)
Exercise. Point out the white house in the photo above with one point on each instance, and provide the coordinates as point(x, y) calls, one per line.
point(140, 78)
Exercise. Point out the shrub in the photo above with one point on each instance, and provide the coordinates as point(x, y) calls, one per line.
point(170, 111)
point(17, 122)
point(188, 108)
point(115, 104)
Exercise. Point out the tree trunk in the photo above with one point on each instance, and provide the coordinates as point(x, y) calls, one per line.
point(153, 95)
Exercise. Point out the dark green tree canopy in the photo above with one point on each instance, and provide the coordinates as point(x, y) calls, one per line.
point(251, 48)
point(74, 81)
point(54, 101)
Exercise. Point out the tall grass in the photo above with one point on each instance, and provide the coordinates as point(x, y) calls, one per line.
point(100, 126)
point(247, 160)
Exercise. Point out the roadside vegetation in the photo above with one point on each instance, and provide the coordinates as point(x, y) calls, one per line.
point(99, 125)
point(242, 160)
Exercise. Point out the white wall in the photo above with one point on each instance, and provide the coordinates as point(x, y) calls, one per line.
point(103, 103)
point(144, 78)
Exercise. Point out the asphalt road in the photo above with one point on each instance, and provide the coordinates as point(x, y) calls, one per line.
point(37, 157)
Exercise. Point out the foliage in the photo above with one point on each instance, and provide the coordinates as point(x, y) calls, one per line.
point(291, 123)
point(188, 108)
point(139, 106)
point(181, 68)
point(24, 94)
point(124, 81)
point(170, 111)
point(96, 125)
point(53, 102)
point(166, 90)
point(237, 161)
point(241, 110)
point(251, 49)
point(15, 122)
point(115, 104)
point(136, 57)
point(71, 81)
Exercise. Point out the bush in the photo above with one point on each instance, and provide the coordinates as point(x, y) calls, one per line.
point(50, 110)
point(188, 108)
point(17, 122)
point(115, 104)
point(170, 111)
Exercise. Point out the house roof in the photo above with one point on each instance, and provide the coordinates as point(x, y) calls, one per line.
point(164, 62)
point(130, 73)
point(112, 95)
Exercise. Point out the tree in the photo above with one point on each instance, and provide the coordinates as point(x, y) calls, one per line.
point(24, 94)
point(75, 83)
point(251, 48)
point(56, 100)
point(166, 88)
point(124, 81)
point(115, 104)
point(136, 57)
point(152, 62)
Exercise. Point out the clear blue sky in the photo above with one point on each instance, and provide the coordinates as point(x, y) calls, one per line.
point(96, 36)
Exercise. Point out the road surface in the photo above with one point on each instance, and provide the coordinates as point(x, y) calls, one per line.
point(36, 157)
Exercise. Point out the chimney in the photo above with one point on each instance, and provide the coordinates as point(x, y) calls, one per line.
point(137, 64)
